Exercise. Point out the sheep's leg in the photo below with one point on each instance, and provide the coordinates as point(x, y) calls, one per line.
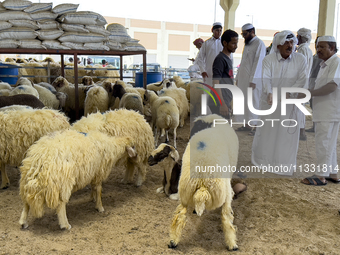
point(177, 225)
point(229, 229)
point(141, 174)
point(23, 218)
point(174, 196)
point(167, 136)
point(175, 137)
point(61, 212)
point(160, 190)
point(130, 169)
point(181, 121)
point(156, 137)
point(99, 205)
point(4, 177)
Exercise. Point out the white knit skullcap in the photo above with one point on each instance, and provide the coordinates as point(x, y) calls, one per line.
point(247, 26)
point(305, 33)
point(326, 38)
point(217, 24)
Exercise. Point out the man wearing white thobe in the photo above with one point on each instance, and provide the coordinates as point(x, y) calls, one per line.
point(209, 50)
point(194, 68)
point(304, 36)
point(274, 145)
point(249, 74)
point(326, 113)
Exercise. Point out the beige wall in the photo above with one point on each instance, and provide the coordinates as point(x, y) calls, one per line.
point(179, 26)
point(145, 23)
point(179, 42)
point(115, 20)
point(148, 40)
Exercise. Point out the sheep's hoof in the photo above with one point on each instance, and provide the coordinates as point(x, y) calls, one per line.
point(174, 196)
point(6, 186)
point(160, 190)
point(24, 226)
point(233, 248)
point(172, 245)
point(100, 209)
point(67, 227)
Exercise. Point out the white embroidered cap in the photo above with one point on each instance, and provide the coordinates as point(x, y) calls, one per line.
point(326, 38)
point(247, 26)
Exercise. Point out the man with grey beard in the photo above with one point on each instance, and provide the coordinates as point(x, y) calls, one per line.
point(249, 74)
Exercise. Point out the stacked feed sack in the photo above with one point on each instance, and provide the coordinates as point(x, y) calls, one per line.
point(119, 39)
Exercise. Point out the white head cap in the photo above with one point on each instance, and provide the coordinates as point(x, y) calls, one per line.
point(326, 38)
point(217, 24)
point(247, 26)
point(305, 33)
point(281, 38)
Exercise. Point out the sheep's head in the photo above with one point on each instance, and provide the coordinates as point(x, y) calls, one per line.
point(118, 91)
point(107, 86)
point(60, 82)
point(62, 97)
point(48, 59)
point(87, 80)
point(24, 81)
point(162, 152)
point(21, 61)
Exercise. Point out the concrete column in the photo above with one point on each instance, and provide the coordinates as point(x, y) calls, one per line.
point(326, 17)
point(230, 6)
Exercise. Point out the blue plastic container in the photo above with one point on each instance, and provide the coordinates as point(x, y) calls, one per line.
point(7, 69)
point(151, 77)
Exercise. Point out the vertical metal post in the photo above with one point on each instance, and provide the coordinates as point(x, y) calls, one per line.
point(75, 61)
point(62, 65)
point(144, 70)
point(121, 67)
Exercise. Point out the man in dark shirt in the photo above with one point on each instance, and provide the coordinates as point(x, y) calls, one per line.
point(223, 73)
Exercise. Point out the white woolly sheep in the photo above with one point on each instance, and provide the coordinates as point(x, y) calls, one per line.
point(164, 113)
point(179, 95)
point(24, 89)
point(203, 188)
point(20, 129)
point(48, 86)
point(5, 85)
point(123, 122)
point(87, 81)
point(5, 92)
point(46, 178)
point(167, 156)
point(130, 101)
point(97, 99)
point(159, 85)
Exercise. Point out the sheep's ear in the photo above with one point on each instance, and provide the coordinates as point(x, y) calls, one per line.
point(174, 155)
point(131, 152)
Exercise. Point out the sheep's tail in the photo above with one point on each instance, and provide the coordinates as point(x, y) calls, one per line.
point(168, 120)
point(201, 196)
point(34, 195)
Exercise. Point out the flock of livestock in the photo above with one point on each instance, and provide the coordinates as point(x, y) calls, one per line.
point(120, 125)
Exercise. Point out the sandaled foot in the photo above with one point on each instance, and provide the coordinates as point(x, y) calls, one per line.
point(310, 130)
point(334, 180)
point(239, 188)
point(314, 181)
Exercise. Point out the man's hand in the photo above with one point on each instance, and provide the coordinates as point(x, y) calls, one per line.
point(252, 85)
point(191, 59)
point(270, 99)
point(204, 75)
point(224, 110)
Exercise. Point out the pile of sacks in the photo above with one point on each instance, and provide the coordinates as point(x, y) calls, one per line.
point(24, 24)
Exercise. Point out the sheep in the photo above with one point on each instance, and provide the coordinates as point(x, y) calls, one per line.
point(20, 129)
point(158, 85)
point(36, 73)
point(97, 99)
point(46, 178)
point(204, 189)
point(24, 89)
point(130, 101)
point(168, 157)
point(5, 92)
point(87, 80)
point(164, 113)
point(179, 95)
point(123, 122)
point(62, 85)
point(21, 99)
point(5, 85)
point(48, 86)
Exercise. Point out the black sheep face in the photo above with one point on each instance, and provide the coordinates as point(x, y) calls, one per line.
point(159, 155)
point(198, 126)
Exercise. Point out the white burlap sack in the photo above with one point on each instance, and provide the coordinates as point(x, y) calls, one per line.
point(65, 8)
point(74, 28)
point(118, 33)
point(12, 15)
point(74, 46)
point(31, 44)
point(96, 46)
point(54, 44)
point(18, 33)
point(97, 29)
point(9, 43)
point(16, 5)
point(39, 7)
point(5, 25)
point(132, 46)
point(48, 24)
point(24, 23)
point(82, 17)
point(49, 34)
point(81, 37)
point(115, 45)
point(43, 15)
